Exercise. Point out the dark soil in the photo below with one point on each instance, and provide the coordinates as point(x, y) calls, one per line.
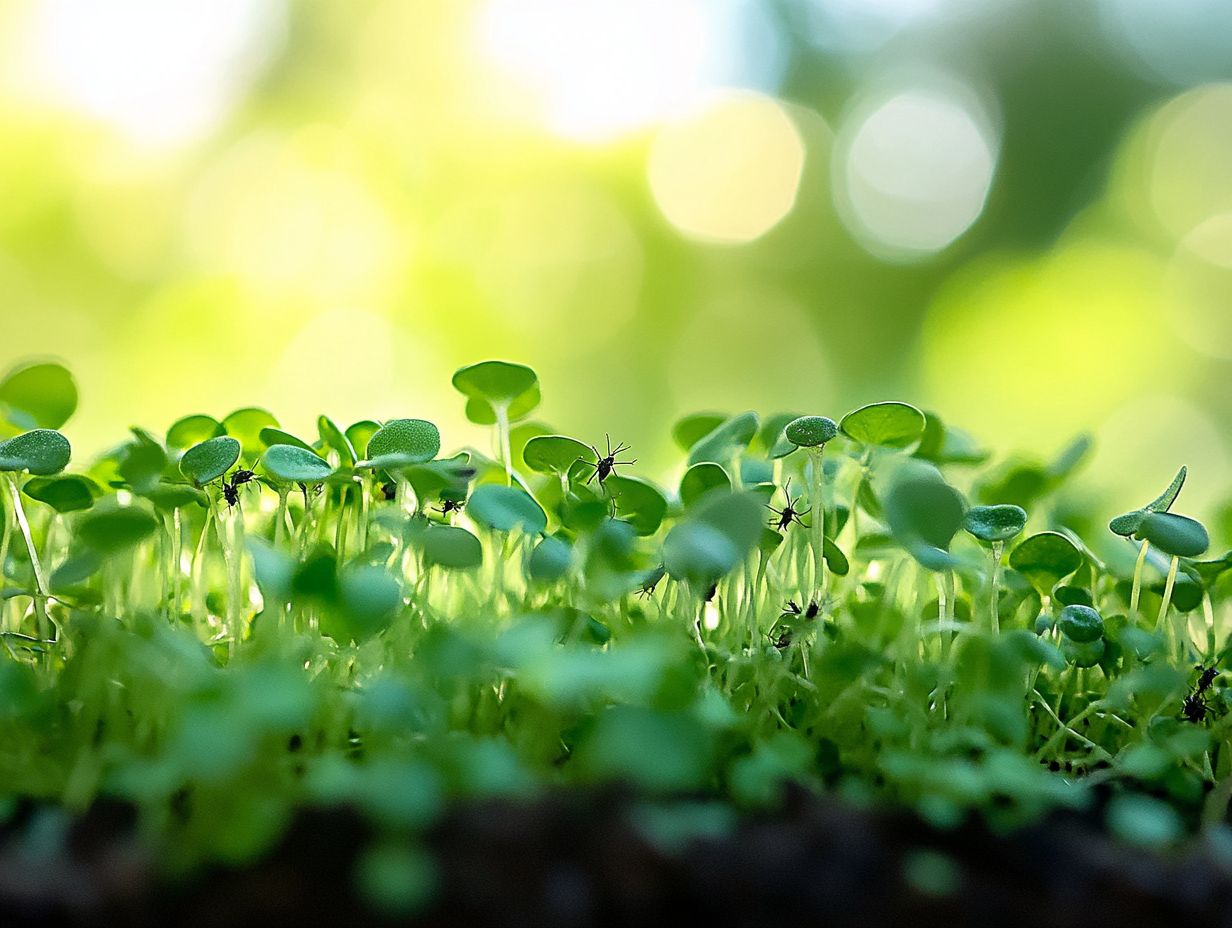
point(578, 860)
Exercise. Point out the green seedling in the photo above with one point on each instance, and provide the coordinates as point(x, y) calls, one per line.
point(222, 667)
point(498, 393)
point(994, 526)
point(1127, 526)
point(814, 433)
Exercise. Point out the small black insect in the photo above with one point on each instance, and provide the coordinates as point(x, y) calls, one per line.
point(808, 613)
point(1194, 708)
point(389, 491)
point(231, 487)
point(606, 464)
point(789, 513)
point(450, 505)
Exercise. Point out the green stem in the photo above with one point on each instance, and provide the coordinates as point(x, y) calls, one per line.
point(1137, 588)
point(280, 518)
point(994, 606)
point(818, 527)
point(1167, 600)
point(502, 431)
point(40, 579)
point(4, 563)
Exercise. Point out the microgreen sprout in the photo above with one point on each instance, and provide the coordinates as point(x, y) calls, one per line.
point(415, 622)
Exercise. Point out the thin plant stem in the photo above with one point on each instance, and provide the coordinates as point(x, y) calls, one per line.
point(1167, 600)
point(1137, 587)
point(994, 605)
point(818, 527)
point(40, 579)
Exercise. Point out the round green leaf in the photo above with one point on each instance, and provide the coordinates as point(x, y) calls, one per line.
point(836, 560)
point(688, 431)
point(700, 479)
point(550, 560)
point(923, 512)
point(115, 529)
point(1081, 623)
point(1179, 536)
point(209, 460)
point(726, 439)
point(491, 385)
point(65, 492)
point(995, 523)
point(271, 436)
point(554, 454)
point(292, 464)
point(38, 396)
point(192, 430)
point(245, 425)
point(717, 536)
point(411, 441)
point(894, 425)
point(1045, 559)
point(41, 452)
point(810, 431)
point(143, 463)
point(639, 502)
point(503, 509)
point(452, 547)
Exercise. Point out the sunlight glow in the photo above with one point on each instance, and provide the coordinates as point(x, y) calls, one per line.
point(730, 172)
point(913, 171)
point(162, 72)
point(600, 69)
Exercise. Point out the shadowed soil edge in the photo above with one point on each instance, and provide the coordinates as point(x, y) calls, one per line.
point(579, 859)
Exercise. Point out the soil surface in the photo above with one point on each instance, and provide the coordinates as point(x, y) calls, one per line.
point(581, 860)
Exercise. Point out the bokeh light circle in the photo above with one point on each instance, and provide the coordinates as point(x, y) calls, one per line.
point(913, 170)
point(1198, 288)
point(1189, 158)
point(730, 172)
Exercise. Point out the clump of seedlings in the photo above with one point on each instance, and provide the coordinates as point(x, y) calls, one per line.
point(228, 622)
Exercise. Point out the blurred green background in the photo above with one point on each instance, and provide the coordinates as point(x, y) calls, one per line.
point(1017, 212)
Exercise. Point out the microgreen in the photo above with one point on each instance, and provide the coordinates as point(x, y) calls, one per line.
point(207, 461)
point(232, 623)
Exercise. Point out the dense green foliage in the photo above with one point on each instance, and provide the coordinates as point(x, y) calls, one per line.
point(231, 622)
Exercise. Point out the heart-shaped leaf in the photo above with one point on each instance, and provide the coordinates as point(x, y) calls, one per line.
point(206, 462)
point(292, 464)
point(891, 425)
point(1045, 559)
point(554, 454)
point(639, 502)
point(245, 426)
point(192, 430)
point(492, 385)
point(700, 479)
point(924, 513)
point(41, 452)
